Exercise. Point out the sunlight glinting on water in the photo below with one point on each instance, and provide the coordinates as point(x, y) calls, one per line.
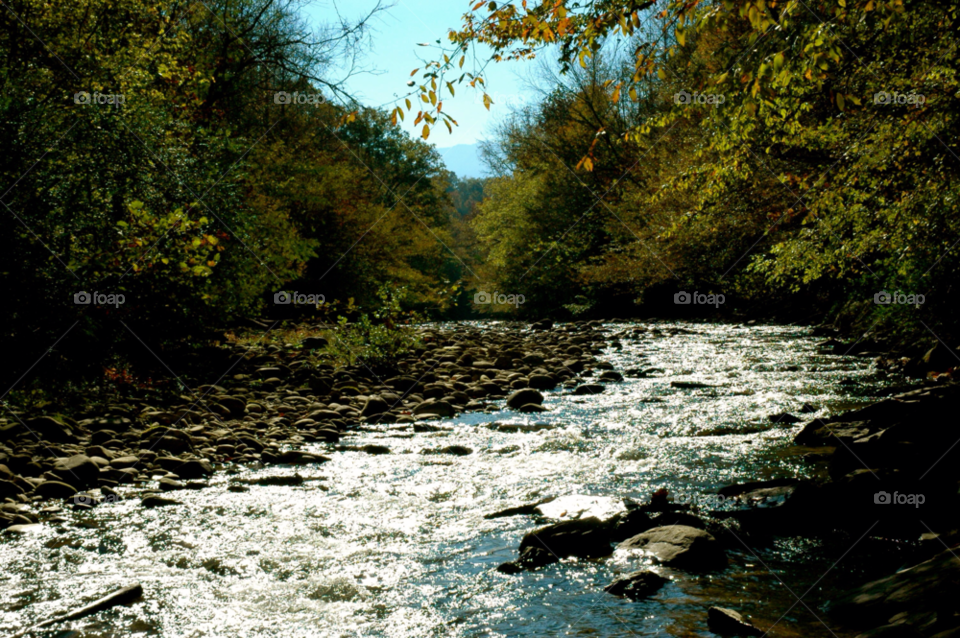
point(396, 545)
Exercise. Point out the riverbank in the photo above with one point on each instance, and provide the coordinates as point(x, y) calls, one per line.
point(287, 409)
point(272, 401)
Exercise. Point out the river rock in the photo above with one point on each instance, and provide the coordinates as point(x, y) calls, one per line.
point(125, 475)
point(9, 489)
point(589, 388)
point(157, 501)
point(521, 427)
point(573, 506)
point(520, 510)
point(99, 450)
point(530, 558)
point(193, 469)
point(584, 538)
point(296, 457)
point(532, 408)
point(782, 418)
point(542, 382)
point(574, 365)
point(51, 430)
point(234, 406)
point(375, 449)
point(28, 528)
point(78, 471)
point(456, 450)
point(169, 484)
point(524, 397)
point(374, 406)
point(125, 461)
point(629, 524)
point(680, 546)
point(665, 519)
point(55, 489)
point(284, 481)
point(728, 622)
point(689, 385)
point(438, 408)
point(637, 585)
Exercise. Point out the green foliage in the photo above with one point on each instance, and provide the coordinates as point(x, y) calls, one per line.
point(378, 338)
point(829, 168)
point(146, 155)
point(467, 193)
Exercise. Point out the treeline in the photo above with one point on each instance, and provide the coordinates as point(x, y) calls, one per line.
point(181, 163)
point(800, 158)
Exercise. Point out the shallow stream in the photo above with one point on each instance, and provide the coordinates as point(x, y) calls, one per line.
point(397, 545)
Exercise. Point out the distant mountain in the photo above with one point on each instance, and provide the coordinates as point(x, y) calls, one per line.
point(464, 160)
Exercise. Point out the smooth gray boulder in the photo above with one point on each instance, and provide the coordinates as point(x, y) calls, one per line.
point(680, 546)
point(728, 622)
point(524, 397)
point(637, 585)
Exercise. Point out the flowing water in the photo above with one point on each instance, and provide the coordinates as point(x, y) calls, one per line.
point(397, 545)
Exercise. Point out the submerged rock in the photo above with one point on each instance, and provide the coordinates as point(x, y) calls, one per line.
point(456, 450)
point(583, 538)
point(530, 558)
point(532, 407)
point(637, 585)
point(728, 622)
point(157, 501)
point(123, 596)
point(520, 510)
point(689, 385)
point(589, 389)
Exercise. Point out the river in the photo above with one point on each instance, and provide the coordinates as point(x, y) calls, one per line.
point(397, 545)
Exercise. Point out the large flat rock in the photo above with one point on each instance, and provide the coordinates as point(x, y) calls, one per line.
point(679, 546)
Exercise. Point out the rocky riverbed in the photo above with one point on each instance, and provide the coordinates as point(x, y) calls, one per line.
point(756, 462)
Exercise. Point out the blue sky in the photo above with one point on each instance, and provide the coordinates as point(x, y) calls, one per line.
point(394, 54)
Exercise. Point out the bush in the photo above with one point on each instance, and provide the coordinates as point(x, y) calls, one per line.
point(376, 340)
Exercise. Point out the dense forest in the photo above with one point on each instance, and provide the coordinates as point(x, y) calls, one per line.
point(183, 163)
point(799, 158)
